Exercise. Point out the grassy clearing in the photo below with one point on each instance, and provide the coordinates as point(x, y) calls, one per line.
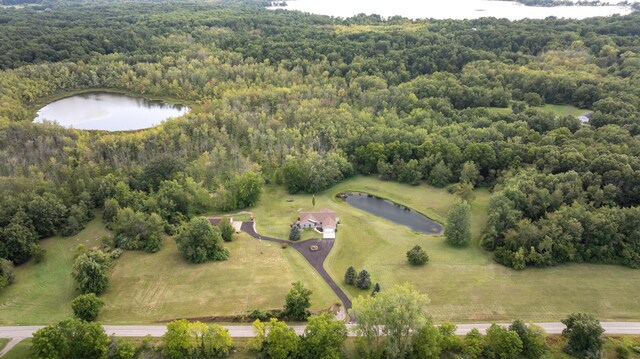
point(20, 351)
point(43, 292)
point(565, 110)
point(558, 110)
point(151, 287)
point(163, 286)
point(464, 284)
point(3, 343)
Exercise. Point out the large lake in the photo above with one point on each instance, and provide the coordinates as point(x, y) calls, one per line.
point(393, 212)
point(108, 111)
point(452, 9)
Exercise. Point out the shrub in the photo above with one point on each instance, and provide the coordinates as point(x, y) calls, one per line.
point(38, 253)
point(226, 229)
point(86, 307)
point(417, 256)
point(294, 234)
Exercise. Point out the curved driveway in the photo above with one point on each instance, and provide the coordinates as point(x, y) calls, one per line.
point(315, 258)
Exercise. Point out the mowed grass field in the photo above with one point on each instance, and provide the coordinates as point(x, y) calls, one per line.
point(42, 292)
point(162, 286)
point(464, 284)
point(146, 288)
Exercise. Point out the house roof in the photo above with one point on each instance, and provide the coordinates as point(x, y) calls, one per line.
point(326, 217)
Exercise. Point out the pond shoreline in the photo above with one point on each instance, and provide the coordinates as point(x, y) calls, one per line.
point(60, 95)
point(345, 195)
point(107, 110)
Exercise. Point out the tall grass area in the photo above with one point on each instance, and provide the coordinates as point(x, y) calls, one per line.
point(464, 284)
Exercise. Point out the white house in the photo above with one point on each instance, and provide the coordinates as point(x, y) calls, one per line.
point(325, 220)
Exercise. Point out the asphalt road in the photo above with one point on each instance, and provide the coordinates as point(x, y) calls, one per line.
point(245, 331)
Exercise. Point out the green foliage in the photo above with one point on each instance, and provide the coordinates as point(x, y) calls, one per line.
point(91, 272)
point(196, 340)
point(457, 229)
point(449, 341)
point(226, 229)
point(38, 253)
point(426, 342)
point(294, 233)
point(533, 340)
point(138, 230)
point(297, 302)
point(72, 339)
point(473, 344)
point(199, 241)
point(111, 209)
point(246, 189)
point(87, 307)
point(323, 337)
point(350, 276)
point(313, 172)
point(584, 334)
point(376, 290)
point(417, 256)
point(6, 273)
point(17, 239)
point(395, 314)
point(124, 349)
point(364, 280)
point(282, 341)
point(502, 343)
point(440, 175)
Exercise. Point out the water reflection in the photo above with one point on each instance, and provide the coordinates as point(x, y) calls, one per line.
point(109, 111)
point(393, 212)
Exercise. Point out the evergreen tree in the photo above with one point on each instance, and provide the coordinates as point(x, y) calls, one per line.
point(351, 276)
point(364, 280)
point(294, 234)
point(376, 290)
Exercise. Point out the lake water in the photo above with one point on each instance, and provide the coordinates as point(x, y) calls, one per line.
point(451, 9)
point(108, 111)
point(393, 212)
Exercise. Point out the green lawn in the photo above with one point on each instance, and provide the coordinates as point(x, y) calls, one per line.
point(163, 286)
point(42, 292)
point(464, 285)
point(3, 343)
point(20, 351)
point(150, 287)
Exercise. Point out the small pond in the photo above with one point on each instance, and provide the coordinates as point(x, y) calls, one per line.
point(393, 212)
point(109, 112)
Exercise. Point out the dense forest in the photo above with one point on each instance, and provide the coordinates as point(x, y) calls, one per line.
point(306, 101)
